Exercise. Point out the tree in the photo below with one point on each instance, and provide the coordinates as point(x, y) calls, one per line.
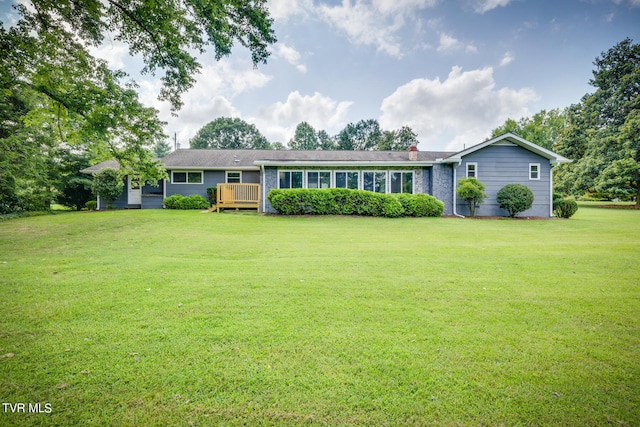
point(326, 142)
point(599, 135)
point(305, 138)
point(161, 149)
point(364, 135)
point(47, 72)
point(74, 187)
point(398, 140)
point(515, 198)
point(229, 133)
point(541, 129)
point(471, 190)
point(108, 184)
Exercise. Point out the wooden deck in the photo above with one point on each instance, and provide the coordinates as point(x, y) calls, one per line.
point(237, 196)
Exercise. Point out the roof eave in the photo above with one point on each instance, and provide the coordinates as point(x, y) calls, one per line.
point(327, 163)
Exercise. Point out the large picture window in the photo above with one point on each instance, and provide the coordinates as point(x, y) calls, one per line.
point(374, 181)
point(178, 177)
point(347, 180)
point(290, 179)
point(320, 179)
point(401, 182)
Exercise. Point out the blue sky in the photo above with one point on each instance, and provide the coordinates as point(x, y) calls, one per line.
point(452, 70)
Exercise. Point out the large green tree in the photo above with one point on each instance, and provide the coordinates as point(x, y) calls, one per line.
point(601, 132)
point(50, 81)
point(305, 138)
point(230, 133)
point(398, 140)
point(364, 135)
point(542, 128)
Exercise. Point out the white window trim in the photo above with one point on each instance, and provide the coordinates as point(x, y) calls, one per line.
point(386, 180)
point(413, 180)
point(304, 177)
point(358, 172)
point(226, 176)
point(475, 164)
point(530, 170)
point(318, 171)
point(187, 182)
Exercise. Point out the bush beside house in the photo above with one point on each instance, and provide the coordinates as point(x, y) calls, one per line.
point(340, 201)
point(515, 198)
point(178, 201)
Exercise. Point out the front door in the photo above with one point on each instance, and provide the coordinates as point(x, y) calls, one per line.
point(135, 192)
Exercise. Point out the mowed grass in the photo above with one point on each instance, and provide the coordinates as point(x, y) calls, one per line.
point(185, 318)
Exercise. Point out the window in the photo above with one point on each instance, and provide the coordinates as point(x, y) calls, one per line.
point(290, 179)
point(186, 177)
point(401, 182)
point(472, 170)
point(319, 179)
point(233, 177)
point(534, 170)
point(347, 180)
point(374, 181)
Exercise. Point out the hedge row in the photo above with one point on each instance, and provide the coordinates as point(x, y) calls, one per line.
point(341, 201)
point(178, 201)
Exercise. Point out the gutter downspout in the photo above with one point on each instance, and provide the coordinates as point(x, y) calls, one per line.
point(455, 180)
point(263, 188)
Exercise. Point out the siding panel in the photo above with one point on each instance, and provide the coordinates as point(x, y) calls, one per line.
point(499, 165)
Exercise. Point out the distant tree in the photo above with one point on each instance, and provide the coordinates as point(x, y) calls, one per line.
point(472, 191)
point(364, 135)
point(305, 138)
point(108, 184)
point(541, 129)
point(230, 133)
point(278, 146)
point(161, 149)
point(398, 140)
point(601, 133)
point(326, 142)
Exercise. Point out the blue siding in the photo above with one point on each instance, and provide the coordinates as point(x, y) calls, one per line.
point(209, 179)
point(499, 165)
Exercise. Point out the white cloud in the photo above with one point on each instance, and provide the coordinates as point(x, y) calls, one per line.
point(291, 55)
point(211, 96)
point(374, 23)
point(363, 25)
point(466, 104)
point(506, 59)
point(284, 9)
point(278, 121)
point(483, 6)
point(450, 44)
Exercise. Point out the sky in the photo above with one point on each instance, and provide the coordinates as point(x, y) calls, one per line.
point(452, 70)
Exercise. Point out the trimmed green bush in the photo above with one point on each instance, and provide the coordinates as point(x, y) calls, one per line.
point(91, 205)
point(564, 208)
point(341, 201)
point(515, 198)
point(194, 201)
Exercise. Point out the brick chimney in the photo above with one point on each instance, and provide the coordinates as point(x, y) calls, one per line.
point(413, 152)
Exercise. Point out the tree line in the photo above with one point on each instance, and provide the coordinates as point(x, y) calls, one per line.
point(601, 133)
point(234, 133)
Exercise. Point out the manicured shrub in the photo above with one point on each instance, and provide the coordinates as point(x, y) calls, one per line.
point(515, 198)
point(91, 205)
point(178, 201)
point(341, 201)
point(564, 208)
point(471, 190)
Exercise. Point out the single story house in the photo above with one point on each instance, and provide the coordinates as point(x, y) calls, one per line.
point(496, 162)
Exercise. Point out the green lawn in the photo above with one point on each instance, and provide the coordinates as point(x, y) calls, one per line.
point(186, 318)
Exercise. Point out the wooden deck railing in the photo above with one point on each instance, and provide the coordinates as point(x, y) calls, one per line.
point(238, 196)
